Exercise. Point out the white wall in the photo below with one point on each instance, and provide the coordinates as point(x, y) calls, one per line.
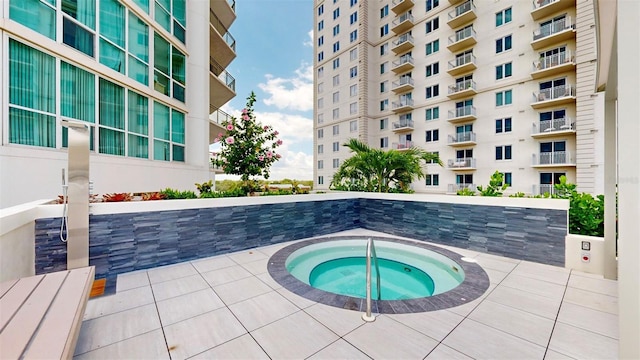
point(17, 241)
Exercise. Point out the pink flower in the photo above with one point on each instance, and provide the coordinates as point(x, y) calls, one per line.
point(278, 156)
point(269, 154)
point(265, 128)
point(279, 142)
point(244, 111)
point(275, 133)
point(229, 127)
point(220, 135)
point(216, 140)
point(229, 140)
point(261, 158)
point(245, 117)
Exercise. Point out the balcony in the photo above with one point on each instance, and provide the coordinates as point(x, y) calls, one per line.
point(404, 84)
point(462, 89)
point(400, 6)
point(402, 126)
point(555, 127)
point(405, 63)
point(461, 164)
point(462, 14)
point(406, 145)
point(553, 65)
point(544, 8)
point(222, 86)
point(402, 105)
point(215, 123)
point(465, 113)
point(402, 23)
point(462, 139)
point(553, 159)
point(403, 43)
point(222, 44)
point(462, 40)
point(543, 189)
point(462, 64)
point(454, 188)
point(554, 96)
point(224, 10)
point(554, 33)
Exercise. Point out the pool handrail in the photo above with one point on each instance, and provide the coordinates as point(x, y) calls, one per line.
point(371, 253)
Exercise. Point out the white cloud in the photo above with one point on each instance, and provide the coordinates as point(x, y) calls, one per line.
point(309, 42)
point(294, 93)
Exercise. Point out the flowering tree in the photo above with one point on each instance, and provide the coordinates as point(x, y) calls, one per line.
point(248, 148)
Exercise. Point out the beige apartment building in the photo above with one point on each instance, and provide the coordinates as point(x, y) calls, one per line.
point(504, 85)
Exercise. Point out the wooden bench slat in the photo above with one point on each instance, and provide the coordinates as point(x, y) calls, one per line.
point(16, 335)
point(13, 300)
point(59, 330)
point(5, 286)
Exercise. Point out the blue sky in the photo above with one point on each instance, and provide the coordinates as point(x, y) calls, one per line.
point(274, 59)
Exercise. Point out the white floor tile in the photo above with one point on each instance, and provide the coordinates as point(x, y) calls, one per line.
point(534, 286)
point(582, 344)
point(601, 302)
point(525, 301)
point(435, 324)
point(443, 352)
point(240, 348)
point(243, 257)
point(149, 346)
point(340, 321)
point(117, 302)
point(171, 272)
point(553, 274)
point(588, 319)
point(600, 286)
point(213, 263)
point(240, 290)
point(339, 350)
point(493, 263)
point(297, 300)
point(256, 267)
point(554, 355)
point(263, 309)
point(132, 280)
point(267, 279)
point(177, 287)
point(225, 275)
point(187, 306)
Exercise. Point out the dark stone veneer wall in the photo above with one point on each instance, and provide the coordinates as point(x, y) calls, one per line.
point(120, 243)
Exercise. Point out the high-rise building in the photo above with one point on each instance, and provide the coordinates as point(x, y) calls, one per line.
point(490, 86)
point(148, 76)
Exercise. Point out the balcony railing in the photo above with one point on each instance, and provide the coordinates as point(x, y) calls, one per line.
point(468, 110)
point(404, 80)
point(222, 30)
point(462, 86)
point(218, 116)
point(403, 123)
point(222, 74)
point(461, 9)
point(404, 38)
point(462, 60)
point(468, 136)
point(553, 158)
point(402, 145)
point(404, 59)
point(402, 103)
point(232, 3)
point(462, 35)
point(553, 28)
point(399, 6)
point(554, 125)
point(454, 188)
point(461, 163)
point(555, 92)
point(544, 189)
point(554, 60)
point(404, 17)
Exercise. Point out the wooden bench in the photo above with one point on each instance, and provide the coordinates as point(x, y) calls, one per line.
point(41, 316)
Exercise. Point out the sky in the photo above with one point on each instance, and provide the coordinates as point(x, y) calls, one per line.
point(274, 48)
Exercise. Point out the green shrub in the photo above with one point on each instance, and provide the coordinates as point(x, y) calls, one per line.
point(519, 194)
point(466, 192)
point(496, 185)
point(177, 194)
point(586, 213)
point(205, 187)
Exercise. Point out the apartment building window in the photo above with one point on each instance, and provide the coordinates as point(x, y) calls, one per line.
point(320, 72)
point(384, 67)
point(432, 47)
point(353, 18)
point(353, 90)
point(353, 54)
point(353, 2)
point(384, 30)
point(168, 130)
point(336, 163)
point(384, 86)
point(320, 25)
point(353, 36)
point(320, 164)
point(548, 180)
point(353, 108)
point(336, 130)
point(503, 152)
point(503, 125)
point(336, 46)
point(320, 88)
point(384, 105)
point(504, 98)
point(503, 71)
point(437, 153)
point(432, 25)
point(507, 178)
point(320, 133)
point(320, 118)
point(353, 126)
point(431, 4)
point(321, 40)
point(432, 91)
point(464, 154)
point(384, 49)
point(503, 17)
point(336, 30)
point(432, 180)
point(503, 44)
point(384, 142)
point(336, 80)
point(384, 11)
point(353, 72)
point(464, 179)
point(320, 103)
point(554, 120)
point(320, 56)
point(336, 97)
point(384, 123)
point(336, 146)
point(432, 135)
point(432, 113)
point(432, 69)
point(320, 9)
point(320, 149)
point(320, 180)
point(336, 13)
point(336, 63)
point(336, 113)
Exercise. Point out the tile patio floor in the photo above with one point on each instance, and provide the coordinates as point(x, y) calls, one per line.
point(228, 307)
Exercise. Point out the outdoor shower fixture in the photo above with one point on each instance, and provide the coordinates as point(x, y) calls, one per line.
point(76, 195)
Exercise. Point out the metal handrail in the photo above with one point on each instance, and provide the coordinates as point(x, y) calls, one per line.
point(371, 252)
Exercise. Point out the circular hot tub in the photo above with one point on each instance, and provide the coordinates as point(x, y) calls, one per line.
point(414, 276)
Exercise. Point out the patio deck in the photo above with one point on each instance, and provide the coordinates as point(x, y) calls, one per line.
point(228, 307)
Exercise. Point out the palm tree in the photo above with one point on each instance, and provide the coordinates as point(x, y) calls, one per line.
point(375, 170)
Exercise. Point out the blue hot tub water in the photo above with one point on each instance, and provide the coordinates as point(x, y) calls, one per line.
point(406, 272)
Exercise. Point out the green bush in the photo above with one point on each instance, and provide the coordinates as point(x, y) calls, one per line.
point(586, 213)
point(177, 194)
point(466, 192)
point(496, 185)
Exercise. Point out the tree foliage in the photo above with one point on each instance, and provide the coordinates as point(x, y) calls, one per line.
point(496, 185)
point(376, 170)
